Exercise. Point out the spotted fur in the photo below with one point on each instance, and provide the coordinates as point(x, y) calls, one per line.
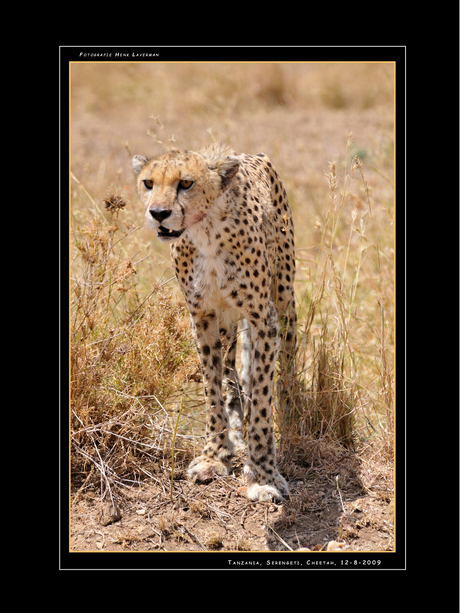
point(229, 225)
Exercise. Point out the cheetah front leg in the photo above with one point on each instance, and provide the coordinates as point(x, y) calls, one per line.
point(216, 454)
point(263, 480)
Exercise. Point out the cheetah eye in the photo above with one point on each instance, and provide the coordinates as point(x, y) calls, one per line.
point(148, 183)
point(185, 184)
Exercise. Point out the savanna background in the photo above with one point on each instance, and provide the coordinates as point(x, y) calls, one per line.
point(137, 408)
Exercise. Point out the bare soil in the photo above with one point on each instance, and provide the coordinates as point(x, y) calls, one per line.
point(338, 503)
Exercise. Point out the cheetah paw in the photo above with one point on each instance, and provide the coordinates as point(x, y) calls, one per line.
point(277, 490)
point(263, 493)
point(205, 469)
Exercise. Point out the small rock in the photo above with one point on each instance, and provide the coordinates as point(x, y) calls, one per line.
point(334, 546)
point(110, 513)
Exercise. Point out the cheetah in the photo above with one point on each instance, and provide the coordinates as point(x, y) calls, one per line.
point(229, 225)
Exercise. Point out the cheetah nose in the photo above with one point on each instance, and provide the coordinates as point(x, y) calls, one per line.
point(160, 214)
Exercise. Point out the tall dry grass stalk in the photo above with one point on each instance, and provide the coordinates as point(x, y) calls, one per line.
point(332, 400)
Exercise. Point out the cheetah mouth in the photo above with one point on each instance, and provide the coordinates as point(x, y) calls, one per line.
point(164, 234)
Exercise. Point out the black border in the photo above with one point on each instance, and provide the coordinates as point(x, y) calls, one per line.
point(219, 560)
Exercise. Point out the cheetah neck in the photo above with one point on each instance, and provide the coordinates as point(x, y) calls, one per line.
point(212, 225)
point(214, 265)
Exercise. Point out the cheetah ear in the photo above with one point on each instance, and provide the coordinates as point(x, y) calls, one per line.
point(138, 163)
point(227, 169)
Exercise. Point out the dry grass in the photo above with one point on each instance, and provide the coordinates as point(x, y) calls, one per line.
point(129, 356)
point(333, 395)
point(135, 383)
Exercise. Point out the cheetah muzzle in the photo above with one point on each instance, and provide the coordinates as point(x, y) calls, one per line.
point(229, 225)
point(166, 235)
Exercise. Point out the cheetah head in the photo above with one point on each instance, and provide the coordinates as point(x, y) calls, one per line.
point(179, 188)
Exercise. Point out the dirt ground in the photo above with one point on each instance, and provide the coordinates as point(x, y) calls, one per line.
point(338, 503)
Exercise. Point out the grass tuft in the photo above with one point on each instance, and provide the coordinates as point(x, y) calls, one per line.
point(129, 356)
point(333, 399)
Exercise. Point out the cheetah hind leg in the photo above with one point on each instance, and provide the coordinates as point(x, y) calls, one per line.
point(234, 397)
